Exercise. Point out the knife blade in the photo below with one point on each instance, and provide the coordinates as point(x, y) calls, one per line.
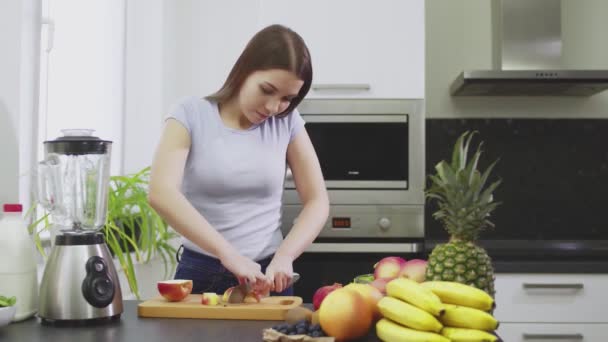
point(240, 291)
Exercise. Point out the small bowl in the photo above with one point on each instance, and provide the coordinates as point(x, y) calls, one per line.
point(6, 314)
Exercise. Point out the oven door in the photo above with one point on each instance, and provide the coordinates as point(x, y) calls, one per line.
point(360, 151)
point(327, 263)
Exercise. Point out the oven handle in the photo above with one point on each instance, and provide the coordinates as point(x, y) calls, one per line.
point(337, 247)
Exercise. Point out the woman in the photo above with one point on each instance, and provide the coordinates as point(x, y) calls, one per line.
point(218, 172)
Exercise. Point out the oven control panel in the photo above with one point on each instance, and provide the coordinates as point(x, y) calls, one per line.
point(365, 221)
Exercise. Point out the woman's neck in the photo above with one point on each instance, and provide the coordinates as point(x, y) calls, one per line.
point(232, 116)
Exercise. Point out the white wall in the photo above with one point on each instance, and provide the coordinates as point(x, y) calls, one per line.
point(86, 72)
point(144, 81)
point(169, 56)
point(18, 86)
point(459, 37)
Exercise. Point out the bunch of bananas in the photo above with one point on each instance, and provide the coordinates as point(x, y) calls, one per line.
point(435, 311)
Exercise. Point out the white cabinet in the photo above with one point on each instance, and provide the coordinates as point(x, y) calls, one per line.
point(359, 48)
point(568, 298)
point(552, 307)
point(534, 332)
point(202, 41)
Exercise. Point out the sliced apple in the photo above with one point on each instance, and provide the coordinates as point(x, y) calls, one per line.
point(210, 298)
point(174, 290)
point(252, 297)
point(226, 294)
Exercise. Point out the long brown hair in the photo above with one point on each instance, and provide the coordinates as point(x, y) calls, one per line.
point(274, 47)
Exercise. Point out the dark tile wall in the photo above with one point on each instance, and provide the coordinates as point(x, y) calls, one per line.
point(554, 172)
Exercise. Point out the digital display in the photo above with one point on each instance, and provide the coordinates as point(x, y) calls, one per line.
point(340, 222)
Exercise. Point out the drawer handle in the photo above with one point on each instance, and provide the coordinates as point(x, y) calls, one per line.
point(553, 286)
point(349, 86)
point(553, 336)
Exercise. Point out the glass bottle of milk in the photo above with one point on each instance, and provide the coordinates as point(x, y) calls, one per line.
point(18, 274)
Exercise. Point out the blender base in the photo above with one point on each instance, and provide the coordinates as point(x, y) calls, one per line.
point(79, 322)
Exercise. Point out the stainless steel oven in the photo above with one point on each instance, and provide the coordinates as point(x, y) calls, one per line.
point(371, 153)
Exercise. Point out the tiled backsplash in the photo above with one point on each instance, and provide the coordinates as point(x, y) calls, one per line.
point(554, 171)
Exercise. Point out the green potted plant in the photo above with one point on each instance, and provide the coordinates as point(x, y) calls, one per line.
point(134, 231)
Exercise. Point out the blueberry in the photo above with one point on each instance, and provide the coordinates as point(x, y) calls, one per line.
point(315, 333)
point(301, 331)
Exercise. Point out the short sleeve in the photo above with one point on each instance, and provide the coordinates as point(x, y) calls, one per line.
point(181, 111)
point(296, 123)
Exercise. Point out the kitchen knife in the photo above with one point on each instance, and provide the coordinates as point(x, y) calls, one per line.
point(239, 292)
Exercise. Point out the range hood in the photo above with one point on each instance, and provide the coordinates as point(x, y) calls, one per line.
point(527, 51)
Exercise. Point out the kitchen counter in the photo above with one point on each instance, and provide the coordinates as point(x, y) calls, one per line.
point(132, 328)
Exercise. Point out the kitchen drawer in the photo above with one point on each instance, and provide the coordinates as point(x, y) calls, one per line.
point(535, 332)
point(552, 298)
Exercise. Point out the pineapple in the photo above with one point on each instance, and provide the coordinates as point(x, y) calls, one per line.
point(464, 207)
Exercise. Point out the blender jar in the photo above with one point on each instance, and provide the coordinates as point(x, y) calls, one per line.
point(73, 180)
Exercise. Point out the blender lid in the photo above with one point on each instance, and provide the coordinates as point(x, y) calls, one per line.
point(77, 141)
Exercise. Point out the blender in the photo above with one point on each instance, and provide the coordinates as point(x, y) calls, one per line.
point(80, 284)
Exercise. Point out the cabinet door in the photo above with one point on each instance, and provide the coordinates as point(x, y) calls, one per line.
point(532, 332)
point(203, 41)
point(366, 49)
point(551, 298)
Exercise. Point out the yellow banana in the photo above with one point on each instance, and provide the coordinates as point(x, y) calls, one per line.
point(408, 315)
point(460, 294)
point(390, 331)
point(464, 317)
point(413, 293)
point(467, 335)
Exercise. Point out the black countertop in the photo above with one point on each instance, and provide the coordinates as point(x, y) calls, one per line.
point(542, 256)
point(132, 328)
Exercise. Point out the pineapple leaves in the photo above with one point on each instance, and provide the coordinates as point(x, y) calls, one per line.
point(445, 172)
point(460, 191)
point(456, 155)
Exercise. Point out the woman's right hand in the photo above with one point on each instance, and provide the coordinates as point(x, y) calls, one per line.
point(245, 269)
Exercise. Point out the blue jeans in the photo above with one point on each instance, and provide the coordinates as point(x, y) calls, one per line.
point(209, 275)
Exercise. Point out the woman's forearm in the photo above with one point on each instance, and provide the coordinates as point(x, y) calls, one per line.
point(177, 211)
point(309, 223)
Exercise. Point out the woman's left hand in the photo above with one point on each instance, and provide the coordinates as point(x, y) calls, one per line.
point(279, 273)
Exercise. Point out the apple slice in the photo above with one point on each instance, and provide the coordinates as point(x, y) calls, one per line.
point(252, 297)
point(174, 290)
point(210, 298)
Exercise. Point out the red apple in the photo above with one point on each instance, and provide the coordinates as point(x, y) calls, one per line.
point(321, 293)
point(388, 267)
point(175, 290)
point(210, 298)
point(414, 269)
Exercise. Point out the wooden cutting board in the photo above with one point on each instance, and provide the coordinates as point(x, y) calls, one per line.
point(270, 308)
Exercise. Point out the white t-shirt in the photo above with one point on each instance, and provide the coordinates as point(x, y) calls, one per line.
point(234, 178)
